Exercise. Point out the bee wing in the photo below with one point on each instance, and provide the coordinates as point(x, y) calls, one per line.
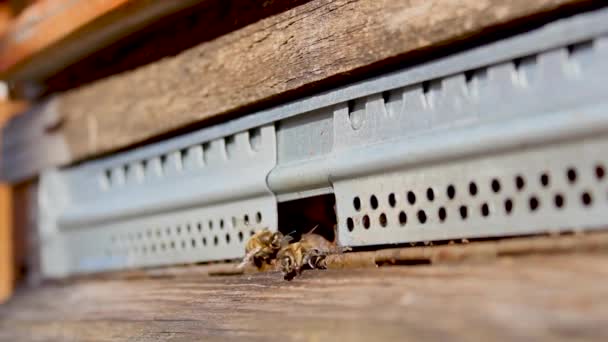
point(285, 240)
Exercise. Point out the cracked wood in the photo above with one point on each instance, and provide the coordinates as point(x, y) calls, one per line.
point(316, 44)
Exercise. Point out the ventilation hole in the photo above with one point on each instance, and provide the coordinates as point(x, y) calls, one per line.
point(373, 201)
point(463, 212)
point(517, 63)
point(172, 244)
point(574, 49)
point(485, 210)
point(255, 138)
point(199, 227)
point(559, 201)
point(357, 203)
point(382, 220)
point(252, 233)
point(421, 216)
point(178, 230)
point(153, 248)
point(210, 225)
point(351, 106)
point(451, 192)
point(193, 243)
point(426, 87)
point(366, 222)
point(229, 145)
point(188, 228)
point(599, 172)
point(221, 223)
point(227, 238)
point(402, 218)
point(473, 188)
point(586, 199)
point(183, 154)
point(246, 219)
point(258, 217)
point(544, 179)
point(430, 194)
point(392, 200)
point(163, 161)
point(508, 205)
point(411, 197)
point(107, 181)
point(519, 183)
point(350, 224)
point(215, 240)
point(386, 96)
point(204, 241)
point(234, 221)
point(534, 203)
point(468, 76)
point(495, 185)
point(241, 237)
point(571, 174)
point(442, 214)
point(158, 233)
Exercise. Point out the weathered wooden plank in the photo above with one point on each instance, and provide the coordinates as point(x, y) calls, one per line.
point(50, 35)
point(314, 44)
point(544, 297)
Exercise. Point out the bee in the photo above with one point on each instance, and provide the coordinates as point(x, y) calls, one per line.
point(262, 248)
point(310, 252)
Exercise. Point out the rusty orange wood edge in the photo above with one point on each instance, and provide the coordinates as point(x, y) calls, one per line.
point(46, 22)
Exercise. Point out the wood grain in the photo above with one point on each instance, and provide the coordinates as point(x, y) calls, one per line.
point(545, 297)
point(314, 44)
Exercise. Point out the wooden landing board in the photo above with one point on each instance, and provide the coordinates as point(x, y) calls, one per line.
point(314, 45)
point(541, 298)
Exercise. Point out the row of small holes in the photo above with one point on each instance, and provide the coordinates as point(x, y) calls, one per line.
point(158, 233)
point(495, 185)
point(254, 140)
point(173, 245)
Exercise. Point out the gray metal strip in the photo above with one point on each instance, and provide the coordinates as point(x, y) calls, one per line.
point(531, 115)
point(198, 204)
point(559, 33)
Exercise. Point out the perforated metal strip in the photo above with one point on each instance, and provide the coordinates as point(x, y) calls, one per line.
point(431, 152)
point(197, 204)
point(552, 188)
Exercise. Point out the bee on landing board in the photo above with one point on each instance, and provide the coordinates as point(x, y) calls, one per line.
point(310, 252)
point(262, 248)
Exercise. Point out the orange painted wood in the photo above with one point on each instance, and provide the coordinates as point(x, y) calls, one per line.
point(46, 22)
point(7, 264)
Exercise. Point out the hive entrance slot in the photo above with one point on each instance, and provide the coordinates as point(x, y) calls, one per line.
point(303, 215)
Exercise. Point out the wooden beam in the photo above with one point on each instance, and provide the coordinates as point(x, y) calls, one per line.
point(541, 298)
point(44, 23)
point(315, 44)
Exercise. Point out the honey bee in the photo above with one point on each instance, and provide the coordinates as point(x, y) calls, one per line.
point(262, 248)
point(310, 252)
